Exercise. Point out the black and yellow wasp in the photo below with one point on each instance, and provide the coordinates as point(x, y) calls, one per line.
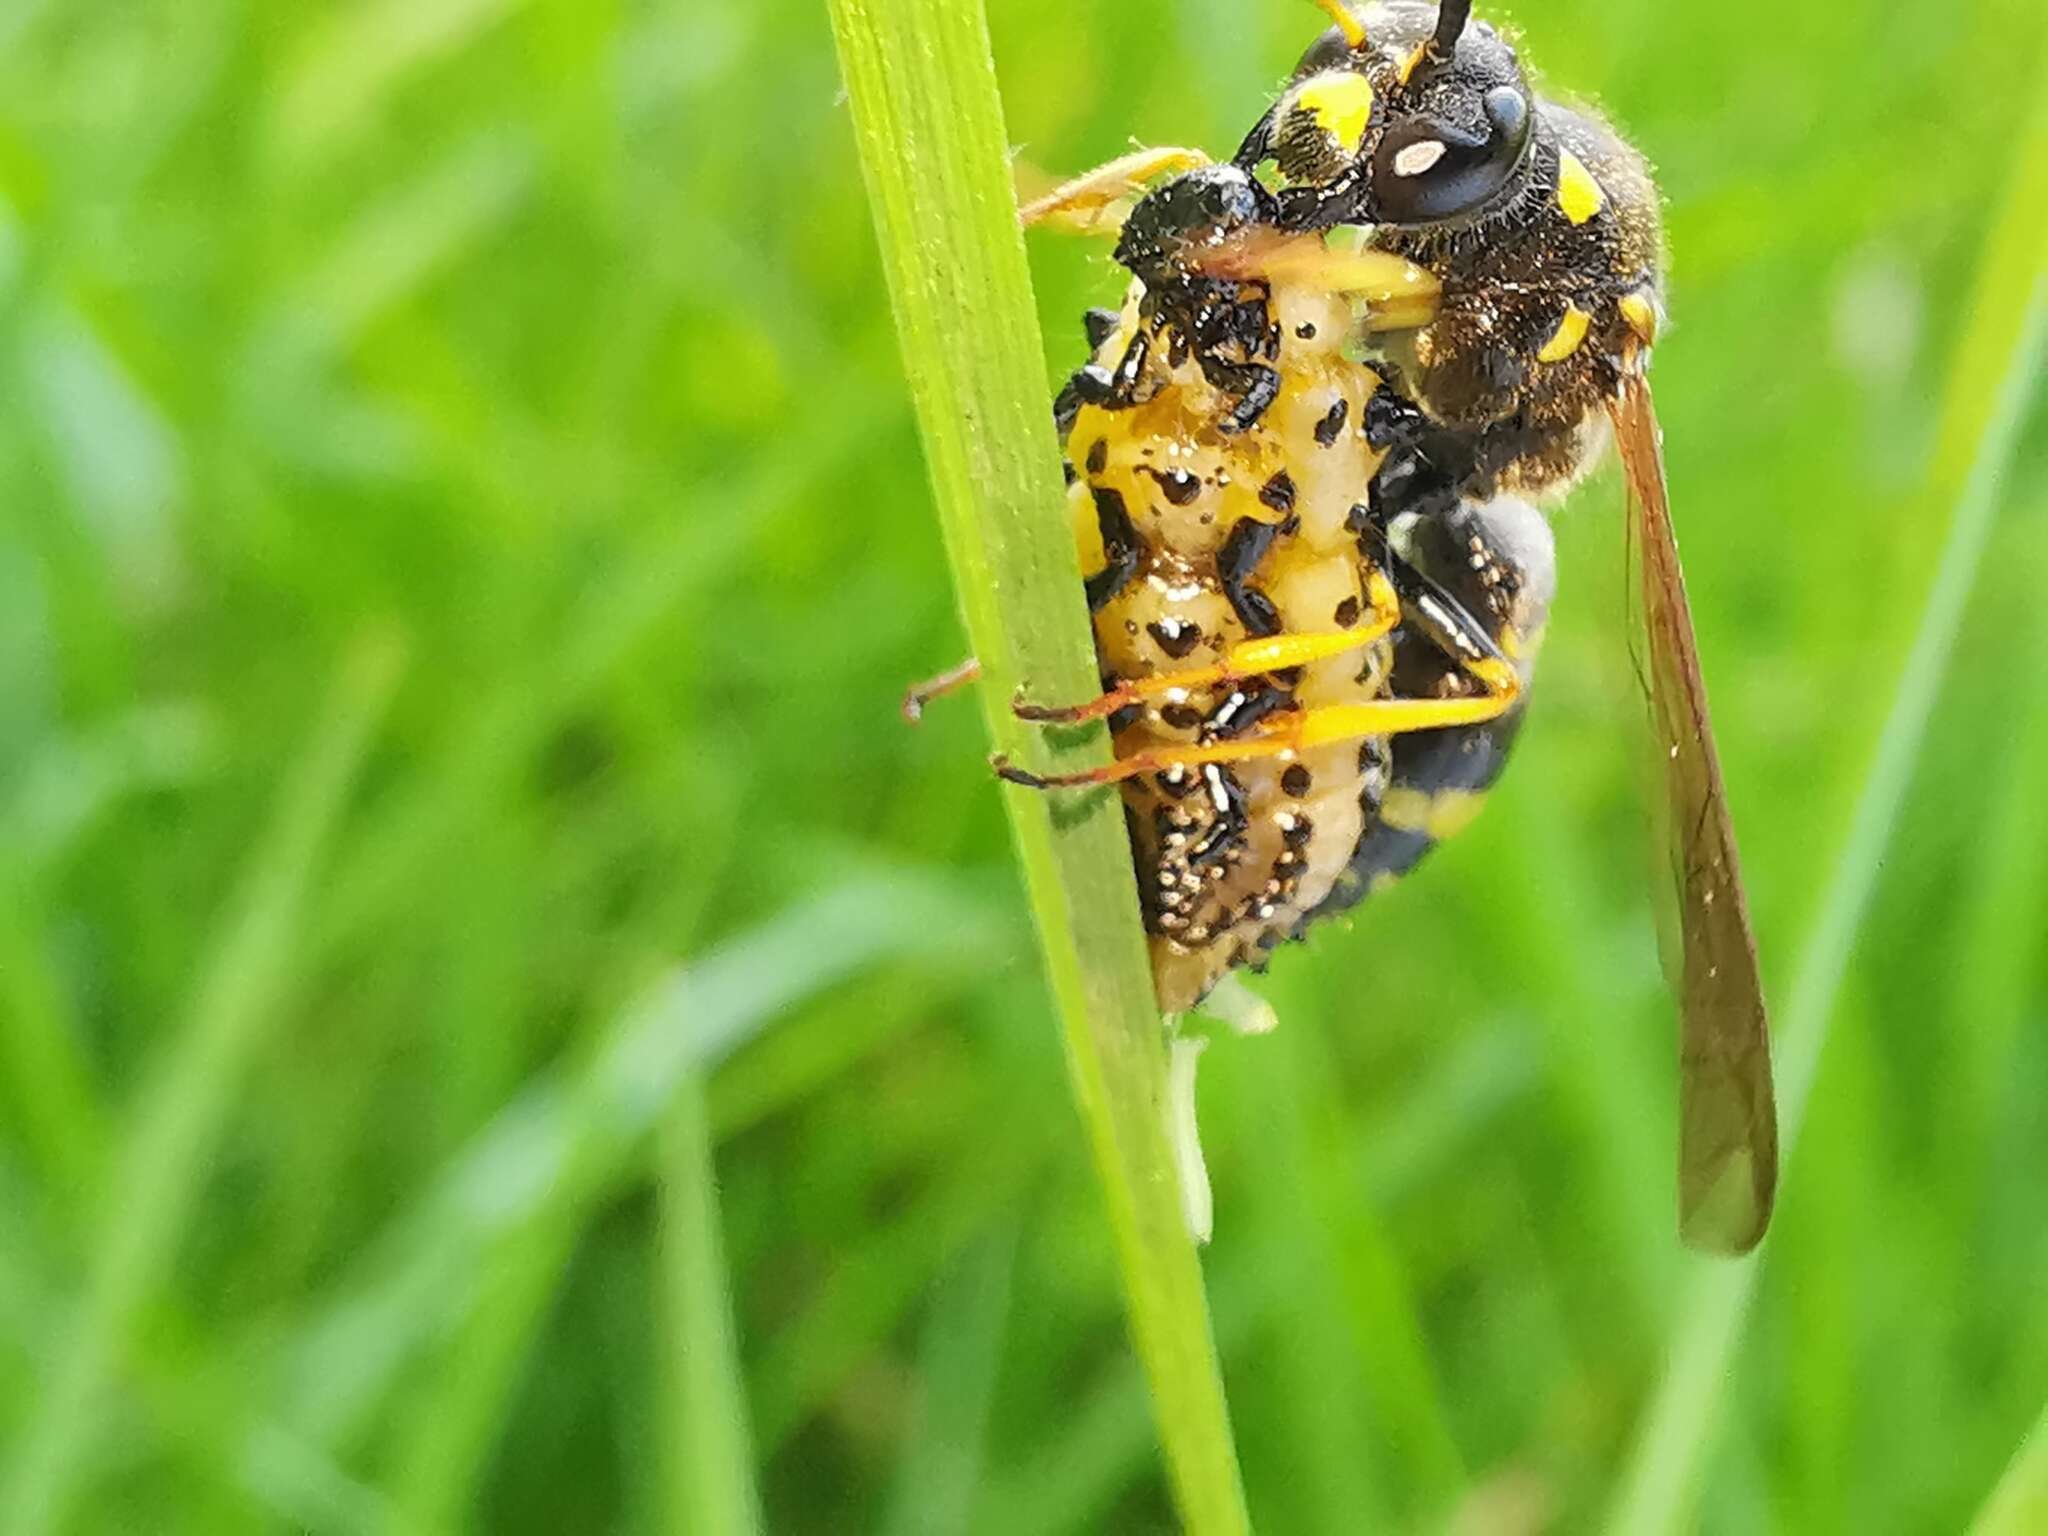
point(1305, 463)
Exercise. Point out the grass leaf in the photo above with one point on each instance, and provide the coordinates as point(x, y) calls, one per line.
point(935, 156)
point(165, 1161)
point(706, 1441)
point(2019, 1504)
point(494, 1229)
point(959, 1354)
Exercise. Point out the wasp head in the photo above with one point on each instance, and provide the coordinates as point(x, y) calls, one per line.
point(1411, 115)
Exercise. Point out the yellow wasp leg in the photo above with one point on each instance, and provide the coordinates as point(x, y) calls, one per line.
point(1348, 24)
point(1087, 204)
point(1319, 727)
point(1399, 295)
point(1247, 658)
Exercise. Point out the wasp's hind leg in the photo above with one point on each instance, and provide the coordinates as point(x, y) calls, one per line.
point(1320, 727)
point(1244, 660)
point(1468, 645)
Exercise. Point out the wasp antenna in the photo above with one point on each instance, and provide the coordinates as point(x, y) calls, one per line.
point(1451, 17)
point(1352, 28)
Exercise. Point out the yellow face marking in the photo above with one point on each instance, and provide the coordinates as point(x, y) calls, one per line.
point(1640, 311)
point(1578, 194)
point(1341, 104)
point(1443, 814)
point(1564, 341)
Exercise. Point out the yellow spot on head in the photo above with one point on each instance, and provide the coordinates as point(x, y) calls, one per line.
point(1639, 309)
point(1564, 341)
point(1578, 194)
point(1341, 103)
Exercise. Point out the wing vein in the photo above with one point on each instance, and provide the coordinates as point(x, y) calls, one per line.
point(1728, 1136)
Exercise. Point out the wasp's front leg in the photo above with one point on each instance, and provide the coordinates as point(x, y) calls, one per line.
point(1096, 202)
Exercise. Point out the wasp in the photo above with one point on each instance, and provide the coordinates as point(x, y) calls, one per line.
point(1308, 461)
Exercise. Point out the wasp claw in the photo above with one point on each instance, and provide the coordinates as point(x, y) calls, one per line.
point(949, 681)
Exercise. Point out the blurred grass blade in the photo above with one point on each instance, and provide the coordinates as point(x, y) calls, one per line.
point(706, 1445)
point(501, 1217)
point(1997, 369)
point(935, 157)
point(538, 1181)
point(46, 1082)
point(958, 1366)
point(357, 56)
point(2018, 1506)
point(164, 1161)
point(876, 1281)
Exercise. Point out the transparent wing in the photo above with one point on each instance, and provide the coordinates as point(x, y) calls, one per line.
point(1728, 1137)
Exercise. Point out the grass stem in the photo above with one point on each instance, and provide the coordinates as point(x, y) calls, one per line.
point(935, 155)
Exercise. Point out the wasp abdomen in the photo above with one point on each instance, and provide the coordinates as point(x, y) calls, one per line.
point(1493, 565)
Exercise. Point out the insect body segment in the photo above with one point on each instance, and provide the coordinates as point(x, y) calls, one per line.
point(1248, 617)
point(1304, 477)
point(1472, 573)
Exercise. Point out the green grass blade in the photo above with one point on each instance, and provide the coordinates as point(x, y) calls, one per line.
point(958, 1368)
point(495, 1228)
point(1998, 367)
point(876, 1283)
point(2018, 1506)
point(48, 1086)
point(935, 156)
point(164, 1162)
point(709, 1457)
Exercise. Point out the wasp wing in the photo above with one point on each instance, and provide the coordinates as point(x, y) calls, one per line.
point(1728, 1136)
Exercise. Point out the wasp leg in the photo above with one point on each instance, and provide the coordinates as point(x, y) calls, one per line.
point(1463, 640)
point(952, 680)
point(1247, 658)
point(1398, 294)
point(1087, 205)
point(1319, 727)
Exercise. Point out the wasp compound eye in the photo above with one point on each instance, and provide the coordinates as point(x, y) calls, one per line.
point(1427, 171)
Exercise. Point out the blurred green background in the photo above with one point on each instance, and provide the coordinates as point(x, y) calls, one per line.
point(465, 539)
